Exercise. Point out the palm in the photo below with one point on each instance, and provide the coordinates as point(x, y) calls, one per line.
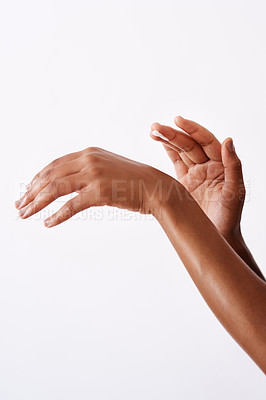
point(205, 182)
point(211, 179)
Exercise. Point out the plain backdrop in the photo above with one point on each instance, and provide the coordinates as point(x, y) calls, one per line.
point(101, 307)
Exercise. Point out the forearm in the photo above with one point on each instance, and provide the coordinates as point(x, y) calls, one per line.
point(237, 242)
point(236, 295)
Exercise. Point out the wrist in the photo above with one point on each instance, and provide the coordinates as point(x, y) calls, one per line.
point(171, 200)
point(235, 238)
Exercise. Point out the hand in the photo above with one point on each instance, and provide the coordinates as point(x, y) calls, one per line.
point(210, 172)
point(100, 178)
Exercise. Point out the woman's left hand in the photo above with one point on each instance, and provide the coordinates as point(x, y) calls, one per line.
point(211, 172)
point(100, 178)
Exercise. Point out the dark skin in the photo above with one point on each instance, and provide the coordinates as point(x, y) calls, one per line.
point(200, 213)
point(212, 173)
point(197, 158)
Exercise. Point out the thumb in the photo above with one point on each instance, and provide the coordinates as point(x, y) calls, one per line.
point(234, 183)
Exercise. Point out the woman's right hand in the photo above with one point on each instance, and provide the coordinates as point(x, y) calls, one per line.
point(100, 178)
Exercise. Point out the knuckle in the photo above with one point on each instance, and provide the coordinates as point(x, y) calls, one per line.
point(36, 177)
point(28, 193)
point(47, 175)
point(91, 158)
point(237, 164)
point(54, 163)
point(93, 149)
point(95, 171)
point(92, 155)
point(53, 186)
point(69, 208)
point(189, 148)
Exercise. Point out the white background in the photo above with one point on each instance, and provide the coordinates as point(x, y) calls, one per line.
point(103, 309)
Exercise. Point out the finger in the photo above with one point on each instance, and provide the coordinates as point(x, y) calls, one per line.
point(57, 162)
point(51, 192)
point(181, 140)
point(179, 165)
point(234, 188)
point(186, 160)
point(183, 157)
point(70, 208)
point(45, 178)
point(202, 136)
point(189, 163)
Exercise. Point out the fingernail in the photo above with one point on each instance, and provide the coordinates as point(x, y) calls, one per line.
point(21, 213)
point(17, 203)
point(230, 146)
point(23, 202)
point(47, 223)
point(158, 134)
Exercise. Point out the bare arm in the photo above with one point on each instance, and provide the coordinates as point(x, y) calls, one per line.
point(235, 294)
point(212, 173)
point(237, 242)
